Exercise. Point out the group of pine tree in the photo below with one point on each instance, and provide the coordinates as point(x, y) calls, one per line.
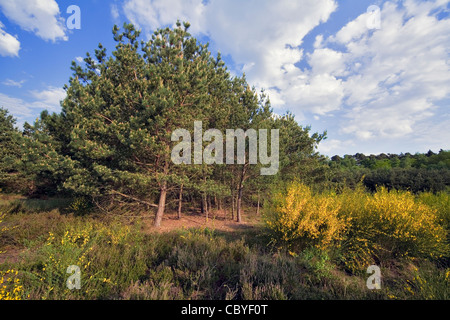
point(111, 143)
point(112, 139)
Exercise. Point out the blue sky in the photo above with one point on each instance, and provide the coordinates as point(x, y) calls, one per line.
point(375, 87)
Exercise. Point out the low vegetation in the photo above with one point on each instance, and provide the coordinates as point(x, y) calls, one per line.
point(306, 246)
point(361, 228)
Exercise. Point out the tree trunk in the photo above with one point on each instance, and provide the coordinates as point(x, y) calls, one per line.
point(224, 212)
point(232, 205)
point(161, 205)
point(162, 198)
point(257, 207)
point(209, 203)
point(180, 202)
point(205, 206)
point(238, 205)
point(239, 195)
point(202, 206)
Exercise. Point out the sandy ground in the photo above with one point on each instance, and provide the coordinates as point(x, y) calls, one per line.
point(216, 221)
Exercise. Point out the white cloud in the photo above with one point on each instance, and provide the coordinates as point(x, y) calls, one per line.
point(327, 61)
point(267, 47)
point(353, 30)
point(114, 12)
point(386, 83)
point(433, 133)
point(41, 17)
point(404, 71)
point(15, 106)
point(152, 14)
point(49, 98)
point(246, 32)
point(9, 45)
point(381, 83)
point(12, 83)
point(319, 93)
point(334, 146)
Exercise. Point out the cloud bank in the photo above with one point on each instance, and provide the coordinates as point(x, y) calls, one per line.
point(9, 45)
point(383, 83)
point(42, 17)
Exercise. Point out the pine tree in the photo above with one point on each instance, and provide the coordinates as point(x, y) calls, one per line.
point(10, 140)
point(121, 111)
point(113, 137)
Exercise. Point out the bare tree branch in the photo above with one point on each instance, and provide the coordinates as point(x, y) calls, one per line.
point(135, 199)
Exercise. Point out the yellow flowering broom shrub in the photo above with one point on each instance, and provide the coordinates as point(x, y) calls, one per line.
point(60, 252)
point(439, 202)
point(74, 247)
point(365, 228)
point(11, 287)
point(297, 218)
point(391, 224)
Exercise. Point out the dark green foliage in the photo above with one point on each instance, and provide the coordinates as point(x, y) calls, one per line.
point(413, 179)
point(9, 146)
point(112, 140)
point(11, 179)
point(429, 160)
point(416, 173)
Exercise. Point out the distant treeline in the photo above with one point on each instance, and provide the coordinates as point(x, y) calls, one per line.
point(415, 172)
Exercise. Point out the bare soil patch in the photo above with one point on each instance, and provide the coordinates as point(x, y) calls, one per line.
point(216, 221)
point(10, 255)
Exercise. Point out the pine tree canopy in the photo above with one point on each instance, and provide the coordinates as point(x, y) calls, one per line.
point(113, 136)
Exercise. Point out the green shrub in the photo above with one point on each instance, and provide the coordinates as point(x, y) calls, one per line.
point(80, 206)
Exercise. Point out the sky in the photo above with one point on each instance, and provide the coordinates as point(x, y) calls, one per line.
point(374, 74)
